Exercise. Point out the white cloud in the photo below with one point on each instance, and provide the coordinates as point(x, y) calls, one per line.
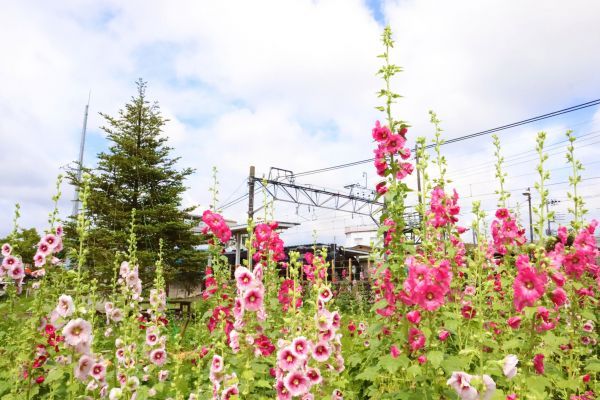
point(284, 83)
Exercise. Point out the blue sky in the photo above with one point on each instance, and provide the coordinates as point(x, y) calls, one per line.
point(291, 84)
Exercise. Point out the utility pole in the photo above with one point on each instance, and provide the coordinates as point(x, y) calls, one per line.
point(81, 150)
point(528, 195)
point(251, 193)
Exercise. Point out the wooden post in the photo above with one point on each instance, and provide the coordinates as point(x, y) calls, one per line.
point(350, 268)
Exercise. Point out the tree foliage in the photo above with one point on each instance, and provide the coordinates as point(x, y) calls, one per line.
point(138, 172)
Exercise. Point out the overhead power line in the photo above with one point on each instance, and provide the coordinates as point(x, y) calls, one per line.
point(466, 137)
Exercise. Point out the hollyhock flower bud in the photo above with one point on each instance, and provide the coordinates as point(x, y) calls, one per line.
point(514, 322)
point(538, 363)
point(414, 317)
point(509, 367)
point(588, 326)
point(40, 379)
point(443, 335)
point(422, 359)
point(468, 312)
point(394, 351)
point(512, 396)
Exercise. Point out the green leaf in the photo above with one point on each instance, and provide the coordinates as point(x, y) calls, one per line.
point(435, 358)
point(369, 374)
point(389, 363)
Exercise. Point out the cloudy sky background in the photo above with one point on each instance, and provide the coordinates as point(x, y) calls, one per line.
point(291, 84)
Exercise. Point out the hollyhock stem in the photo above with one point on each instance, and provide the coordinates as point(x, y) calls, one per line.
point(543, 192)
point(504, 195)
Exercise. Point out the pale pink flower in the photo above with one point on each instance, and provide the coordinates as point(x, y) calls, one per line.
point(325, 294)
point(287, 359)
point(158, 357)
point(51, 240)
point(98, 371)
point(16, 272)
point(490, 387)
point(337, 395)
point(253, 299)
point(163, 374)
point(39, 260)
point(59, 230)
point(314, 375)
point(301, 347)
point(461, 383)
point(151, 337)
point(38, 273)
point(65, 307)
point(83, 367)
point(44, 248)
point(124, 269)
point(510, 366)
point(120, 354)
point(321, 351)
point(116, 314)
point(244, 278)
point(77, 331)
point(6, 249)
point(216, 365)
point(296, 383)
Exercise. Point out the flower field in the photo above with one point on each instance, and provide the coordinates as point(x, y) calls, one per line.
point(505, 318)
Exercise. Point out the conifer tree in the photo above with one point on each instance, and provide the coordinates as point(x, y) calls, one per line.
point(138, 173)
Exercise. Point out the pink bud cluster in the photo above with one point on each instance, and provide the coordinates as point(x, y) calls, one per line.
point(506, 232)
point(389, 145)
point(217, 225)
point(267, 243)
point(314, 267)
point(286, 294)
point(444, 208)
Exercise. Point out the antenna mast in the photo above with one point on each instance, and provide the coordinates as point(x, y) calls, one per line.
point(81, 149)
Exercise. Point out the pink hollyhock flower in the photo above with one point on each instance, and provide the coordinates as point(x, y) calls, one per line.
point(151, 337)
point(16, 271)
point(325, 294)
point(443, 335)
point(314, 376)
point(229, 393)
point(324, 319)
point(559, 296)
point(65, 307)
point(10, 261)
point(538, 363)
point(244, 278)
point(301, 347)
point(287, 359)
point(416, 339)
point(461, 383)
point(510, 366)
point(39, 260)
point(381, 188)
point(98, 371)
point(429, 296)
point(502, 213)
point(308, 396)
point(512, 396)
point(6, 250)
point(253, 299)
point(263, 345)
point(529, 286)
point(163, 375)
point(296, 383)
point(51, 240)
point(405, 170)
point(394, 351)
point(77, 331)
point(588, 326)
point(490, 387)
point(282, 392)
point(158, 357)
point(414, 317)
point(83, 367)
point(381, 133)
point(321, 351)
point(44, 248)
point(216, 365)
point(514, 322)
point(336, 320)
point(469, 291)
point(116, 314)
point(394, 143)
point(468, 312)
point(422, 359)
point(337, 395)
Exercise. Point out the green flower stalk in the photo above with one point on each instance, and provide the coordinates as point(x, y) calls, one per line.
point(544, 175)
point(578, 209)
point(500, 174)
point(440, 160)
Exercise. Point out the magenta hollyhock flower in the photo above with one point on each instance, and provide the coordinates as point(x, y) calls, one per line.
point(559, 296)
point(314, 376)
point(529, 286)
point(321, 351)
point(83, 367)
point(77, 331)
point(394, 143)
point(381, 133)
point(416, 339)
point(538, 363)
point(429, 296)
point(443, 335)
point(381, 188)
point(422, 359)
point(253, 299)
point(158, 357)
point(394, 351)
point(287, 359)
point(406, 169)
point(301, 347)
point(296, 383)
point(502, 213)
